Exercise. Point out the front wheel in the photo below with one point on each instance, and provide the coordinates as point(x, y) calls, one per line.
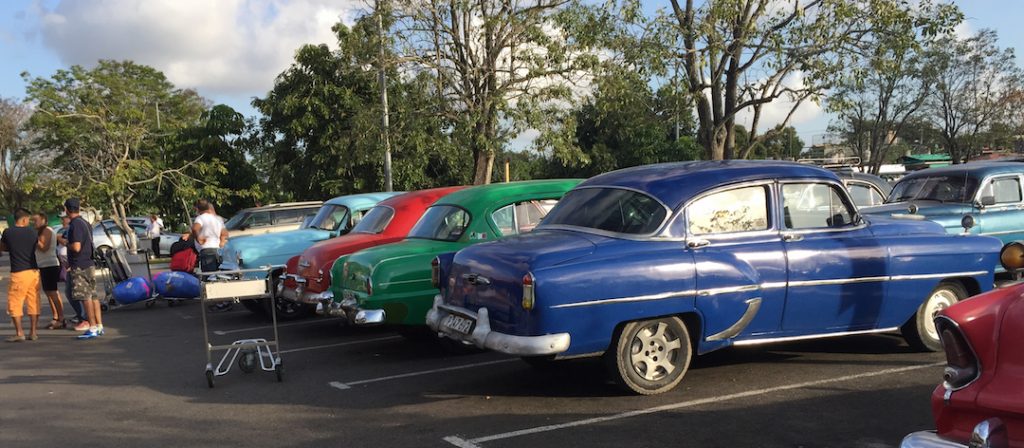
point(920, 330)
point(650, 356)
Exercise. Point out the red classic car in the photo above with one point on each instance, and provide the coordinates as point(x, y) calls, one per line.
point(980, 402)
point(307, 279)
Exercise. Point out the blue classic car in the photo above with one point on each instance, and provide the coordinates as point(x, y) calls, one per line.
point(650, 265)
point(336, 217)
point(987, 195)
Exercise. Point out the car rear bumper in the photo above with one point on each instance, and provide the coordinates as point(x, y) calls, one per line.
point(990, 433)
point(482, 336)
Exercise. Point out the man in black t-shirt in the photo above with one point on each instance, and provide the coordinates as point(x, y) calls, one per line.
point(23, 294)
point(81, 271)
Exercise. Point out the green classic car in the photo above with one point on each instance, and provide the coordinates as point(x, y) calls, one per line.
point(392, 284)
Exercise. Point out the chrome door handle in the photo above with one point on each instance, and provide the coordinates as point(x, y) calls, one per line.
point(693, 244)
point(792, 237)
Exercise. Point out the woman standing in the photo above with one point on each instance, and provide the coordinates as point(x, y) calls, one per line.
point(49, 270)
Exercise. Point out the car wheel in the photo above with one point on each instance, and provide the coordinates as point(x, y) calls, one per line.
point(650, 356)
point(286, 309)
point(920, 330)
point(255, 306)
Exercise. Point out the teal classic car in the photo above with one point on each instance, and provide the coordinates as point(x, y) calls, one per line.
point(985, 197)
point(336, 217)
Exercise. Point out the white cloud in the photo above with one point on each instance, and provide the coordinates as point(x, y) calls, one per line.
point(221, 47)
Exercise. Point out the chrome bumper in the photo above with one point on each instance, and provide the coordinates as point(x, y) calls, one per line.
point(349, 308)
point(300, 295)
point(928, 439)
point(483, 337)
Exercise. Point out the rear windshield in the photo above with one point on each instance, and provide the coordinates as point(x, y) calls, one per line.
point(375, 221)
point(608, 209)
point(235, 221)
point(442, 223)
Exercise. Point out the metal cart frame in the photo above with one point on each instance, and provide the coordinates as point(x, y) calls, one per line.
point(224, 286)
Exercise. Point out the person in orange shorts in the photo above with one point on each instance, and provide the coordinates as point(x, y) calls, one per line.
point(23, 296)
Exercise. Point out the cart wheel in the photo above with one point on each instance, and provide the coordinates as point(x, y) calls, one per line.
point(279, 370)
point(104, 307)
point(150, 304)
point(209, 378)
point(248, 361)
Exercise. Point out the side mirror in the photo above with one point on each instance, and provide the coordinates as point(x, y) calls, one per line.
point(988, 200)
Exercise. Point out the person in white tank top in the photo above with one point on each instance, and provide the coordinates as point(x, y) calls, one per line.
point(49, 270)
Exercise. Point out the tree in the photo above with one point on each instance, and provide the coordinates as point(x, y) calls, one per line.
point(321, 123)
point(106, 123)
point(884, 87)
point(25, 180)
point(741, 55)
point(974, 83)
point(499, 66)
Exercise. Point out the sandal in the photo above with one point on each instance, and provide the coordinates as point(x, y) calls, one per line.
point(56, 324)
point(16, 339)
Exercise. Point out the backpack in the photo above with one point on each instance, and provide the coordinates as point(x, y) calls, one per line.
point(184, 261)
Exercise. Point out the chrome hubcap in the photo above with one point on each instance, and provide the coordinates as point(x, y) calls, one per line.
point(936, 303)
point(654, 350)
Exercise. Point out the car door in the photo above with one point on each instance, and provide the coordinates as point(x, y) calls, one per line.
point(739, 260)
point(1002, 210)
point(836, 269)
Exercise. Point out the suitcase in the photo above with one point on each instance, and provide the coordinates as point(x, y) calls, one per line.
point(133, 290)
point(184, 261)
point(179, 285)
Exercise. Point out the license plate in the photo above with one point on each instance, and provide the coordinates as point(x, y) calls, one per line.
point(458, 323)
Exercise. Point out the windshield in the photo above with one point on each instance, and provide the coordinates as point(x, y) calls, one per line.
point(375, 220)
point(608, 209)
point(442, 223)
point(235, 221)
point(330, 218)
point(952, 188)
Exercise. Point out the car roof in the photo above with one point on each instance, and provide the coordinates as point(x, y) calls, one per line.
point(363, 200)
point(877, 181)
point(676, 182)
point(429, 196)
point(975, 169)
point(482, 195)
point(284, 206)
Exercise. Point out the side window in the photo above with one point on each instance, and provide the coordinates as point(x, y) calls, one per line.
point(864, 195)
point(258, 219)
point(356, 217)
point(739, 210)
point(1005, 190)
point(521, 217)
point(808, 206)
point(285, 217)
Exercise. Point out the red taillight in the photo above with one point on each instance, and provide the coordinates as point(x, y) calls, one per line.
point(435, 272)
point(528, 294)
point(369, 286)
point(962, 365)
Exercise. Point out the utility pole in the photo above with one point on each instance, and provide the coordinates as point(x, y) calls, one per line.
point(382, 79)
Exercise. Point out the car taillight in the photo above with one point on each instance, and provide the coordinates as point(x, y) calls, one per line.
point(435, 272)
point(369, 286)
point(528, 295)
point(962, 366)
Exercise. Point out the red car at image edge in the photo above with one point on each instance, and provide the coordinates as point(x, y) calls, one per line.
point(980, 402)
point(307, 279)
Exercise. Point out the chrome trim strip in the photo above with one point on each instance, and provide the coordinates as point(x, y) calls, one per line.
point(403, 282)
point(753, 305)
point(766, 286)
point(812, 336)
point(943, 275)
point(1005, 232)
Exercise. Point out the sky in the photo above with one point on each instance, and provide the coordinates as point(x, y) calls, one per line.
point(231, 50)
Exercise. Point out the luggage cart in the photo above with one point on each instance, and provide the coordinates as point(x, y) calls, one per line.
point(117, 265)
point(224, 286)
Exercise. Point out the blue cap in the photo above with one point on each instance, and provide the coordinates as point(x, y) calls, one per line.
point(72, 204)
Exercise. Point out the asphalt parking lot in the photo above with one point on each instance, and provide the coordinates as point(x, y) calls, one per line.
point(143, 384)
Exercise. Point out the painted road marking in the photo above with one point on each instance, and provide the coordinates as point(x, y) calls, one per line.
point(348, 385)
point(340, 344)
point(267, 327)
point(475, 443)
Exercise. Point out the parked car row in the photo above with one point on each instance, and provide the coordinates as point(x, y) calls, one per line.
point(650, 266)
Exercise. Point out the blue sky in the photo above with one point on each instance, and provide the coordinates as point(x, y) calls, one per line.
point(230, 50)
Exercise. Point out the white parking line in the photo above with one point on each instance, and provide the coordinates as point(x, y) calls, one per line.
point(267, 327)
point(340, 344)
point(475, 443)
point(348, 385)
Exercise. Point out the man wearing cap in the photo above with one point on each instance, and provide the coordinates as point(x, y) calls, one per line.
point(23, 294)
point(81, 272)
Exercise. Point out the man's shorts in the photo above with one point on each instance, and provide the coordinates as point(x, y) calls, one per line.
point(83, 283)
point(23, 293)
